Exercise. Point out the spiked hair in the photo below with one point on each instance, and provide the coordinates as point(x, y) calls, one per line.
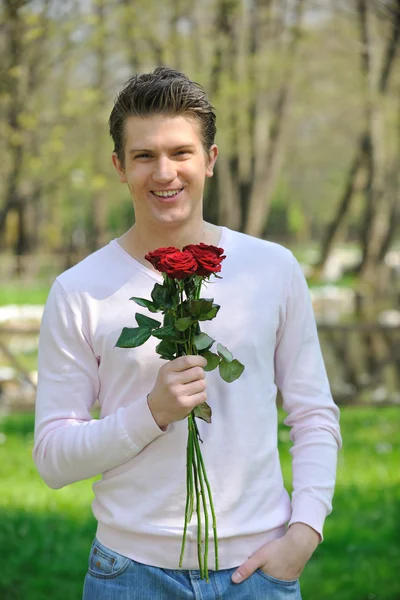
point(164, 91)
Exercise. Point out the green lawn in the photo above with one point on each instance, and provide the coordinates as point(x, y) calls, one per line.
point(20, 293)
point(45, 535)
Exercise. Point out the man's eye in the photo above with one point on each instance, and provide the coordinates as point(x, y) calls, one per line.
point(142, 155)
point(182, 152)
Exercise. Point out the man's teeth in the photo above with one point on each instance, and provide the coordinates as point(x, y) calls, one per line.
point(166, 194)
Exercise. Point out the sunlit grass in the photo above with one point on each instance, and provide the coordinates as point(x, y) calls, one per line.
point(23, 293)
point(46, 534)
point(345, 281)
point(28, 360)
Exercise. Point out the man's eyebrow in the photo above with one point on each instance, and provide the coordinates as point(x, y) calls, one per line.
point(139, 150)
point(189, 146)
point(150, 150)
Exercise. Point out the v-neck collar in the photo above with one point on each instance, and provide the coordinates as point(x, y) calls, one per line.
point(147, 271)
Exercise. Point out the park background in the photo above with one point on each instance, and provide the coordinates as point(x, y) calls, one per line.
point(307, 94)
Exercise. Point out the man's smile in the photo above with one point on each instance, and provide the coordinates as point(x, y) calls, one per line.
point(167, 194)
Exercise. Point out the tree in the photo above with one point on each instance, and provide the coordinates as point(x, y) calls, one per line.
point(269, 130)
point(98, 207)
point(369, 151)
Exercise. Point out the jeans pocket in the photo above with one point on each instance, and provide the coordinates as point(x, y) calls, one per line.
point(105, 563)
point(288, 582)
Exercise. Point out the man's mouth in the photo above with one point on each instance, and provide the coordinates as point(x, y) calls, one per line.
point(166, 193)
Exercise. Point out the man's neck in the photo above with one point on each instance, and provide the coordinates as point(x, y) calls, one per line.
point(138, 242)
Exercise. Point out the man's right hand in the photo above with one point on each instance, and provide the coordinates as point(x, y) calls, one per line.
point(180, 387)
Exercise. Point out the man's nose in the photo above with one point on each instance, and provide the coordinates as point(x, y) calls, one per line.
point(164, 170)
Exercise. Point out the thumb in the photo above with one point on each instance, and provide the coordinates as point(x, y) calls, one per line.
point(247, 568)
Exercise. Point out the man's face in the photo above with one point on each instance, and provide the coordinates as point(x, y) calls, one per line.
point(165, 155)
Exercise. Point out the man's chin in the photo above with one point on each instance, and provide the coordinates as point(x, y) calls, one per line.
point(171, 219)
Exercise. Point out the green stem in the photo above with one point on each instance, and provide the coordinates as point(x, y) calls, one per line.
point(204, 498)
point(195, 470)
point(198, 493)
point(198, 291)
point(214, 520)
point(189, 489)
point(190, 483)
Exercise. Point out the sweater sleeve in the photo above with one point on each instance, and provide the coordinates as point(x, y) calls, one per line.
point(69, 445)
point(312, 414)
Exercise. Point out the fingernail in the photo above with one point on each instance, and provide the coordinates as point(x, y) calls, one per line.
point(237, 577)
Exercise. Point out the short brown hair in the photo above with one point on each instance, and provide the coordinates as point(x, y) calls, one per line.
point(164, 91)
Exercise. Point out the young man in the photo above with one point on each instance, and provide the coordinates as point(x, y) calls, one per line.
point(163, 129)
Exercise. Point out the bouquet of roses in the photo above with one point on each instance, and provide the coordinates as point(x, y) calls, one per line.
point(178, 299)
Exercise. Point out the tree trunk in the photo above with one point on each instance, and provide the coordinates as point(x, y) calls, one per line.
point(243, 116)
point(22, 244)
point(376, 215)
point(18, 193)
point(98, 231)
point(391, 49)
point(127, 22)
point(359, 159)
point(228, 204)
point(344, 205)
point(269, 137)
point(223, 64)
point(394, 193)
point(14, 32)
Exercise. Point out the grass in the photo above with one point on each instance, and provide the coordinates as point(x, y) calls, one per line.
point(23, 293)
point(46, 535)
point(27, 359)
point(346, 281)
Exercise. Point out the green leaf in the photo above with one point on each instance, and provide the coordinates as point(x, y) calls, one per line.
point(133, 337)
point(148, 322)
point(166, 349)
point(168, 319)
point(203, 411)
point(183, 323)
point(146, 303)
point(203, 341)
point(161, 296)
point(200, 307)
point(213, 360)
point(164, 332)
point(183, 309)
point(211, 314)
point(230, 371)
point(224, 353)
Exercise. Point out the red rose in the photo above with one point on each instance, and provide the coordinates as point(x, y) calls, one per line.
point(155, 256)
point(178, 264)
point(209, 258)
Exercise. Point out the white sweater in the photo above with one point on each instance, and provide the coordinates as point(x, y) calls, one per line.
point(266, 320)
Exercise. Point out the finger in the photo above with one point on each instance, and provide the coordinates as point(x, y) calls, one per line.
point(197, 399)
point(190, 375)
point(182, 363)
point(248, 568)
point(195, 387)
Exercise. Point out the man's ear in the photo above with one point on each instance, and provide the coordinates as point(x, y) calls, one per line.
point(212, 158)
point(119, 168)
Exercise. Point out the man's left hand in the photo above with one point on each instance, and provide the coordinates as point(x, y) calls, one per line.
point(283, 558)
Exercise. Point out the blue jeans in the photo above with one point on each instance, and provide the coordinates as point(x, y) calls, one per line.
point(112, 576)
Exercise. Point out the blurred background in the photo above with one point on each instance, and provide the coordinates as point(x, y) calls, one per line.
point(307, 95)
